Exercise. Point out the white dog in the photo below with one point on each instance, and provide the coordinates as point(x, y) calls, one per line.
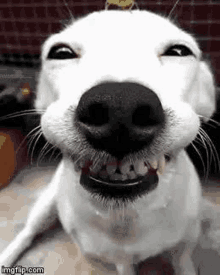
point(123, 93)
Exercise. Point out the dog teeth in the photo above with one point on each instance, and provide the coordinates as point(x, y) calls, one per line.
point(161, 165)
point(125, 168)
point(140, 168)
point(124, 177)
point(132, 175)
point(111, 168)
point(154, 164)
point(118, 177)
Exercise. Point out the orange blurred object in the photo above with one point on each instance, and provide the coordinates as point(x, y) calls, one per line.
point(12, 158)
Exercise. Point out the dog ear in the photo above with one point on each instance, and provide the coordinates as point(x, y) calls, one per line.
point(205, 92)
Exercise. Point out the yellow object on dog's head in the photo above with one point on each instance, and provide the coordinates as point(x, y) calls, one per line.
point(123, 4)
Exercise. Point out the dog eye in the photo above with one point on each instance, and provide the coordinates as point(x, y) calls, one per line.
point(62, 52)
point(178, 50)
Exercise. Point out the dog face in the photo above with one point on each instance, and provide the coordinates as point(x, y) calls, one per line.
point(123, 92)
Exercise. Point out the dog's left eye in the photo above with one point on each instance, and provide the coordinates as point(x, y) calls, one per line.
point(62, 52)
point(178, 50)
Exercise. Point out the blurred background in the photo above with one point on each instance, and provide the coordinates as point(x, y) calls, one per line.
point(25, 24)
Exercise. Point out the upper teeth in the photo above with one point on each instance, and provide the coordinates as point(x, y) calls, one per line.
point(125, 170)
point(161, 165)
point(111, 168)
point(140, 168)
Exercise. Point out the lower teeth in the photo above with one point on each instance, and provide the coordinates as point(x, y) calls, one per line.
point(118, 177)
point(132, 175)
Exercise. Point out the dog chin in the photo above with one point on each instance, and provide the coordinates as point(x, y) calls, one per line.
point(121, 181)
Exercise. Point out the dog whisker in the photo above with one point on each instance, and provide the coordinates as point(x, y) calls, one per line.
point(206, 146)
point(205, 170)
point(68, 9)
point(32, 135)
point(26, 137)
point(32, 112)
point(21, 113)
point(54, 150)
point(212, 148)
point(214, 121)
point(44, 151)
point(173, 8)
point(37, 136)
point(211, 153)
point(210, 121)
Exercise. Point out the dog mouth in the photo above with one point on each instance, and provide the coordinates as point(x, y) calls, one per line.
point(122, 180)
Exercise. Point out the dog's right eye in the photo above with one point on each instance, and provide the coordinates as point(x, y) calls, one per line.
point(178, 50)
point(62, 52)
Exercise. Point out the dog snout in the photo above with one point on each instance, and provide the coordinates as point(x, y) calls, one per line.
point(119, 118)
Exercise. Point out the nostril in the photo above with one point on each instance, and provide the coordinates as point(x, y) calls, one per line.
point(145, 116)
point(96, 114)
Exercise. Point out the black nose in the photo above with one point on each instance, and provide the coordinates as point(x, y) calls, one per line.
point(119, 118)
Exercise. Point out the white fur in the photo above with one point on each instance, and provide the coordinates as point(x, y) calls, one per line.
point(124, 46)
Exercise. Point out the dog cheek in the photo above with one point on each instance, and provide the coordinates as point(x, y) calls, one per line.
point(184, 125)
point(45, 93)
point(53, 124)
point(203, 94)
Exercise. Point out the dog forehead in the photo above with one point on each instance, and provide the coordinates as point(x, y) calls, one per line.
point(122, 20)
point(126, 22)
point(122, 25)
